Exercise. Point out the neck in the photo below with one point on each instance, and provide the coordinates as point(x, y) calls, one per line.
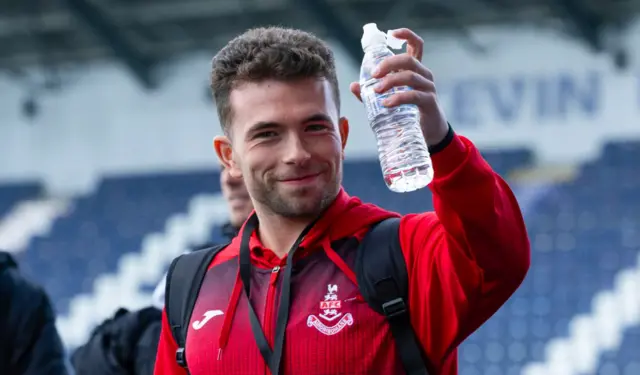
point(279, 233)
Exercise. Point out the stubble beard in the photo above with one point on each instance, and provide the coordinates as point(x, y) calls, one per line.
point(297, 205)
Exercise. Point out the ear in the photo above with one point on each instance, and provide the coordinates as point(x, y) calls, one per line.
point(224, 150)
point(343, 126)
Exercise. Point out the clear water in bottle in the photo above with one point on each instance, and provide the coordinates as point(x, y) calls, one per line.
point(402, 150)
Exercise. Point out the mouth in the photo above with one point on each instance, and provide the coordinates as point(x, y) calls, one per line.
point(239, 198)
point(302, 179)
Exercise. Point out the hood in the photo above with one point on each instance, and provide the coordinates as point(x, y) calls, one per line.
point(347, 216)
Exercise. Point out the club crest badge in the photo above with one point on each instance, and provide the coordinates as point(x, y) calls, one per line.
point(331, 320)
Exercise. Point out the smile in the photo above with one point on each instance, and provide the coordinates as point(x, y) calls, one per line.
point(301, 179)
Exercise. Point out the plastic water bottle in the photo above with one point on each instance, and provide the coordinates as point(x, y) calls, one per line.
point(402, 150)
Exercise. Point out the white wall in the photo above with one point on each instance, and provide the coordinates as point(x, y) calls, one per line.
point(523, 92)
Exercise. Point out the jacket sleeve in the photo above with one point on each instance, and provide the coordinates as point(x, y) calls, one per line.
point(36, 348)
point(466, 259)
point(166, 357)
point(97, 356)
point(147, 348)
point(120, 345)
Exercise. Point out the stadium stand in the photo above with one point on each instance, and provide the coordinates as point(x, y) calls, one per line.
point(104, 226)
point(584, 233)
point(364, 179)
point(624, 361)
point(11, 194)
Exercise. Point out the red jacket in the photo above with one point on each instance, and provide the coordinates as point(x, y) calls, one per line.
point(464, 261)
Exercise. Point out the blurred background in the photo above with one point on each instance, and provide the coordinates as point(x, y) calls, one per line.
point(107, 170)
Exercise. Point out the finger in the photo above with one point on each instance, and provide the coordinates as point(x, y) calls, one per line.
point(423, 100)
point(415, 44)
point(355, 89)
point(405, 78)
point(401, 62)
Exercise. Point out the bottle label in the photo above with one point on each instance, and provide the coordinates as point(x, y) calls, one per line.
point(372, 100)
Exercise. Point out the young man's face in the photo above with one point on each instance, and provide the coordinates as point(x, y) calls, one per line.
point(236, 195)
point(287, 144)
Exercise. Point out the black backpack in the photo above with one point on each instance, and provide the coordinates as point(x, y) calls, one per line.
point(380, 271)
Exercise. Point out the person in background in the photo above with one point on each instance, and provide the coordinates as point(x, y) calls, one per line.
point(29, 341)
point(126, 344)
point(235, 194)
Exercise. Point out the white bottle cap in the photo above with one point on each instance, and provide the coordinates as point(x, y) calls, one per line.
point(372, 36)
point(394, 42)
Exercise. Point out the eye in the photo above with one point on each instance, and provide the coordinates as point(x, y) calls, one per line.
point(266, 134)
point(316, 127)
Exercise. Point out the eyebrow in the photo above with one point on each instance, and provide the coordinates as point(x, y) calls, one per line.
point(264, 125)
point(318, 117)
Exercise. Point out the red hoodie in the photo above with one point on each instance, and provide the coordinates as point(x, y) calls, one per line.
point(464, 261)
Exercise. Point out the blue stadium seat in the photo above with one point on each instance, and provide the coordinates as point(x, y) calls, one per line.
point(582, 234)
point(105, 225)
point(10, 194)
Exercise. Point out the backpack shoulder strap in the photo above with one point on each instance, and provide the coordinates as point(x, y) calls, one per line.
point(184, 279)
point(381, 272)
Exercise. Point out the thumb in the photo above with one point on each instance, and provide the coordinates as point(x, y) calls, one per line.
point(355, 89)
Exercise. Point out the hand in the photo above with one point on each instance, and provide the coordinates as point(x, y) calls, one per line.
point(409, 71)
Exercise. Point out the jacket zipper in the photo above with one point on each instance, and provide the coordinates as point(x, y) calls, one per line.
point(269, 307)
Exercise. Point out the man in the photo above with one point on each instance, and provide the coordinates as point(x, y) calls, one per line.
point(29, 341)
point(127, 343)
point(277, 97)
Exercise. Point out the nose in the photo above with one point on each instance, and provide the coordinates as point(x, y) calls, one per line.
point(295, 151)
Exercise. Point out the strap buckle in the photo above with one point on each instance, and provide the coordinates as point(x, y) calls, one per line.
point(181, 358)
point(394, 308)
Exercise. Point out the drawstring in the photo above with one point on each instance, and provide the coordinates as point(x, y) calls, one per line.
point(228, 318)
point(272, 357)
point(339, 262)
point(237, 289)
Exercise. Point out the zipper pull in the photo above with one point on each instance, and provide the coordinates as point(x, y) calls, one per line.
point(219, 354)
point(274, 275)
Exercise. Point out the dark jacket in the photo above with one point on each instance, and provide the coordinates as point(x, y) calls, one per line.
point(126, 344)
point(29, 341)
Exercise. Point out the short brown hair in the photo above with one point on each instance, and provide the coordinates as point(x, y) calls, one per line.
point(269, 53)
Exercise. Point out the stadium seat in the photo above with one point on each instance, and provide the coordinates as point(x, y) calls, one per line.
point(10, 194)
point(104, 226)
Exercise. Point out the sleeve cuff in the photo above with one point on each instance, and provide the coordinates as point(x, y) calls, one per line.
point(443, 143)
point(450, 156)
